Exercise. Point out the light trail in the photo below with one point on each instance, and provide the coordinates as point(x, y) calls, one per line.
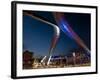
point(65, 27)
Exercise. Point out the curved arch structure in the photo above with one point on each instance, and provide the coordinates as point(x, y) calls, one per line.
point(55, 36)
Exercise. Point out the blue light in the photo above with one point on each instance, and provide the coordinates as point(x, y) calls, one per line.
point(64, 28)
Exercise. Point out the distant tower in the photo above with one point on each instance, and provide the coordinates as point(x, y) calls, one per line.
point(74, 58)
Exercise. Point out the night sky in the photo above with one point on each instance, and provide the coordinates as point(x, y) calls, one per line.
point(37, 35)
